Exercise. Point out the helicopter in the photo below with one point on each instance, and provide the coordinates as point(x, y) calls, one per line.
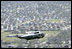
point(33, 35)
point(30, 34)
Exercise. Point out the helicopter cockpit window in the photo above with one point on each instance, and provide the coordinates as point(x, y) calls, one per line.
point(36, 32)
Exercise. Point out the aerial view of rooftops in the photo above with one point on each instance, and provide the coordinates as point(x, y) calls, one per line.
point(35, 24)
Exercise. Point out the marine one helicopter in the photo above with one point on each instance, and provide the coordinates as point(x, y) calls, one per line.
point(33, 35)
point(28, 36)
